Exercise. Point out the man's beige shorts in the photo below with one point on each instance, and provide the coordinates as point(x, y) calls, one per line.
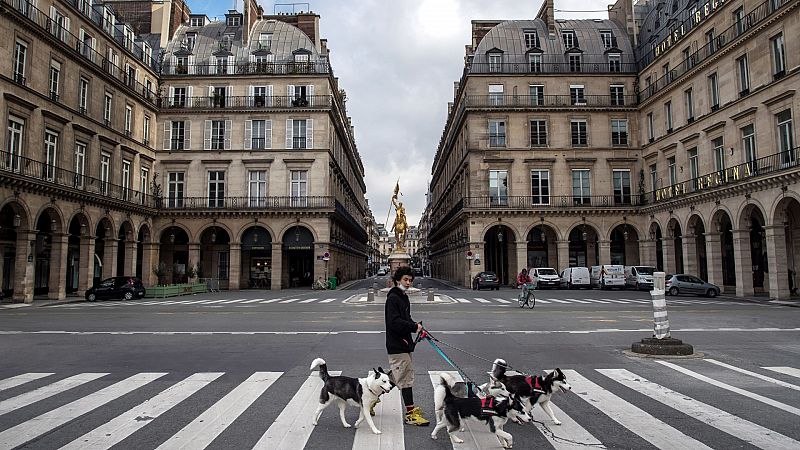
point(402, 369)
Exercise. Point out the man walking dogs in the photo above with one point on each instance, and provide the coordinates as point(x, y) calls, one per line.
point(400, 343)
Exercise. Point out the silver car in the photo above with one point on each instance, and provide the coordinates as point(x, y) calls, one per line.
point(678, 284)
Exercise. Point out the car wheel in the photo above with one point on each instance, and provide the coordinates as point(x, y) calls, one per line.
point(673, 291)
point(91, 297)
point(711, 293)
point(129, 295)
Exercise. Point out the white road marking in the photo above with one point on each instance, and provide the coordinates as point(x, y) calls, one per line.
point(234, 301)
point(735, 426)
point(211, 302)
point(615, 301)
point(127, 423)
point(213, 421)
point(328, 300)
point(291, 300)
point(309, 300)
point(292, 428)
point(463, 300)
point(634, 419)
point(754, 374)
point(791, 371)
point(389, 420)
point(541, 300)
point(29, 398)
point(253, 300)
point(481, 300)
point(18, 380)
point(30, 429)
point(590, 300)
point(728, 387)
point(502, 300)
point(568, 427)
point(272, 300)
point(557, 300)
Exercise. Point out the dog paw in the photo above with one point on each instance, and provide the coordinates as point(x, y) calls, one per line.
point(434, 437)
point(376, 431)
point(556, 422)
point(347, 425)
point(463, 430)
point(458, 440)
point(314, 422)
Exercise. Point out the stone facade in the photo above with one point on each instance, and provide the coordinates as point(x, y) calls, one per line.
point(710, 191)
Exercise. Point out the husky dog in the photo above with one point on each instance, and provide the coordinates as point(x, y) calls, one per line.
point(495, 411)
point(460, 389)
point(361, 392)
point(532, 389)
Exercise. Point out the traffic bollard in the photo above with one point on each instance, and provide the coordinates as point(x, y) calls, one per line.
point(658, 296)
point(371, 295)
point(430, 294)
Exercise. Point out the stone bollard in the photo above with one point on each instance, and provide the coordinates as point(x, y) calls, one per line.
point(662, 342)
point(430, 294)
point(371, 295)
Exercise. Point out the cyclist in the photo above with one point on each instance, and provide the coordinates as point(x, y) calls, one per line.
point(525, 285)
point(523, 278)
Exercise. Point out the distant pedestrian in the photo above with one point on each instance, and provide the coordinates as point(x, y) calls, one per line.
point(338, 276)
point(792, 289)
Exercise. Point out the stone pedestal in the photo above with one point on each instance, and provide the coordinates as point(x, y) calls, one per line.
point(398, 259)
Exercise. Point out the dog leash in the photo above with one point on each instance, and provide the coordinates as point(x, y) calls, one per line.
point(424, 334)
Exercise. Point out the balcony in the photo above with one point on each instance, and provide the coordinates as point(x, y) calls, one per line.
point(520, 64)
point(248, 68)
point(548, 101)
point(246, 102)
point(264, 203)
point(18, 169)
point(533, 202)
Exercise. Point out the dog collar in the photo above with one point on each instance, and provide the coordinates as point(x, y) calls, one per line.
point(373, 392)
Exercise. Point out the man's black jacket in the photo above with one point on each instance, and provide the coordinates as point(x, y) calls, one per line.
point(399, 324)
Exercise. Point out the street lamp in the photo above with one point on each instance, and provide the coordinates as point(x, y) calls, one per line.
point(17, 220)
point(584, 234)
point(541, 232)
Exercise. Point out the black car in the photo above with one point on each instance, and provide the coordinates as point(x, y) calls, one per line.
point(486, 279)
point(116, 287)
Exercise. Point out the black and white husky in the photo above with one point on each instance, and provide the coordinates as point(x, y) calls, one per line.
point(532, 390)
point(495, 411)
point(361, 392)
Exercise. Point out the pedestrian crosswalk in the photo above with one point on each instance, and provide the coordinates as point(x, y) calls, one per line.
point(545, 300)
point(685, 404)
point(211, 303)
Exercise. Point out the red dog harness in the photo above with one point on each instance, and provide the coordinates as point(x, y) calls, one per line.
point(533, 382)
point(487, 407)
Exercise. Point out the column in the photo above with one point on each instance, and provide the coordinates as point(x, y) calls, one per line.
point(24, 269)
point(690, 263)
point(776, 262)
point(563, 254)
point(109, 257)
point(522, 258)
point(130, 259)
point(194, 256)
point(57, 284)
point(605, 252)
point(235, 270)
point(277, 266)
point(149, 263)
point(668, 250)
point(647, 252)
point(477, 249)
point(743, 262)
point(714, 258)
point(86, 269)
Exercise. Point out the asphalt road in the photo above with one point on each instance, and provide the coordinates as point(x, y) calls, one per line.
point(96, 375)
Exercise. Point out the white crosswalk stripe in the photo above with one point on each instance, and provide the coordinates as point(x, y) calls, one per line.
point(557, 300)
point(569, 427)
point(328, 300)
point(590, 300)
point(791, 371)
point(19, 380)
point(29, 398)
point(389, 420)
point(122, 426)
point(463, 300)
point(541, 300)
point(254, 300)
point(290, 300)
point(308, 300)
point(482, 300)
point(500, 300)
point(28, 430)
point(636, 420)
point(208, 425)
point(733, 425)
point(754, 374)
point(294, 426)
point(272, 300)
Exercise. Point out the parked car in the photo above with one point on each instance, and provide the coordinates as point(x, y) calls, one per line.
point(639, 277)
point(575, 277)
point(608, 276)
point(418, 271)
point(677, 284)
point(543, 277)
point(486, 279)
point(381, 273)
point(116, 287)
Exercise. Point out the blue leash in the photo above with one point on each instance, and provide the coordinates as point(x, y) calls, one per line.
point(470, 384)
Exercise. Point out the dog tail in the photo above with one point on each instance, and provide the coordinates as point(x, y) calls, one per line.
point(447, 379)
point(499, 368)
point(323, 368)
point(448, 395)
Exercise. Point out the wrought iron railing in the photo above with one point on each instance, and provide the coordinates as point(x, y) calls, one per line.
point(552, 201)
point(562, 66)
point(724, 38)
point(56, 176)
point(258, 101)
point(260, 203)
point(88, 54)
point(247, 68)
point(540, 101)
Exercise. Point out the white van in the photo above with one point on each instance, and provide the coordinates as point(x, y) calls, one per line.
point(575, 277)
point(542, 277)
point(639, 277)
point(608, 276)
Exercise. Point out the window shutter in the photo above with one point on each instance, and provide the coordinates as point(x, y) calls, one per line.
point(309, 133)
point(252, 58)
point(248, 133)
point(288, 133)
point(310, 91)
point(229, 94)
point(190, 96)
point(187, 134)
point(228, 129)
point(267, 134)
point(269, 96)
point(290, 93)
point(81, 38)
point(207, 136)
point(190, 62)
point(167, 135)
point(250, 96)
point(231, 64)
point(210, 91)
point(171, 100)
point(52, 23)
point(67, 29)
point(173, 61)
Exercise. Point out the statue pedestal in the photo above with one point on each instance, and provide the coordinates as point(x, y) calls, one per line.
point(397, 260)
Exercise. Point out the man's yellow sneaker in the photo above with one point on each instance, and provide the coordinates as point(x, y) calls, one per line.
point(414, 417)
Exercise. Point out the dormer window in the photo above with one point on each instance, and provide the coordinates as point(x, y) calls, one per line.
point(128, 33)
point(108, 21)
point(147, 53)
point(197, 21)
point(191, 39)
point(302, 57)
point(570, 40)
point(608, 39)
point(531, 39)
point(265, 41)
point(234, 21)
point(495, 62)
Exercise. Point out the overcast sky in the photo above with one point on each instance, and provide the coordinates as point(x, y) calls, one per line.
point(398, 60)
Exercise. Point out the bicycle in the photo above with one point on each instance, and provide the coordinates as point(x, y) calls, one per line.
point(320, 284)
point(526, 296)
